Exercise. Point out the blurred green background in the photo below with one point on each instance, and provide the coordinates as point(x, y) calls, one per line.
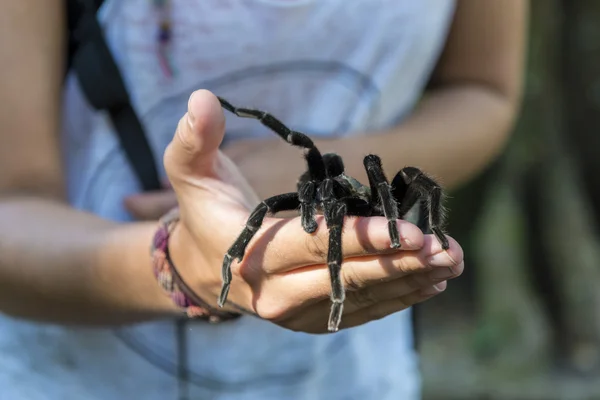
point(523, 322)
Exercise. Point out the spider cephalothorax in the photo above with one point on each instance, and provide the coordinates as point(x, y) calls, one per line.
point(325, 188)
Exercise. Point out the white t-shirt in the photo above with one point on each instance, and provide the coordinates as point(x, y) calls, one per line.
point(326, 68)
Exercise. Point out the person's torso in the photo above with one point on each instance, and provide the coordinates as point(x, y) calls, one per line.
point(330, 68)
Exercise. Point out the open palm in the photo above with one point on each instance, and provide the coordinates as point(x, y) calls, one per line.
point(284, 277)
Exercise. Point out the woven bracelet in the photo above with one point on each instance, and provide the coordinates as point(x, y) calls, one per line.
point(171, 281)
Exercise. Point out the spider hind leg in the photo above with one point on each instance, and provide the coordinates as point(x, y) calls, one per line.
point(411, 185)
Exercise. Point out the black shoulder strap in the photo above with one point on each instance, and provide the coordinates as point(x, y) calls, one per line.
point(102, 84)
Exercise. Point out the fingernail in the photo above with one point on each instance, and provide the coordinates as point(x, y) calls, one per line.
point(435, 289)
point(444, 273)
point(442, 259)
point(190, 116)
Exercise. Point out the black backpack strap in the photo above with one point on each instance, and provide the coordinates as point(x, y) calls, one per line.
point(103, 85)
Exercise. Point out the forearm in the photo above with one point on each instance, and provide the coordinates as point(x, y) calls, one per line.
point(453, 134)
point(66, 266)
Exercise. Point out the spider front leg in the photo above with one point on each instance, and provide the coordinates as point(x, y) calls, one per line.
point(306, 195)
point(314, 159)
point(334, 217)
point(273, 205)
point(381, 192)
point(411, 185)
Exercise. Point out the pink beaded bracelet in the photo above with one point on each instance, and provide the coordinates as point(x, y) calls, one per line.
point(171, 281)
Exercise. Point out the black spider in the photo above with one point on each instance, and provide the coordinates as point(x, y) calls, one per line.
point(326, 188)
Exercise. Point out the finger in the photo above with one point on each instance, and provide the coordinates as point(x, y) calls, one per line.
point(307, 286)
point(316, 315)
point(437, 257)
point(380, 293)
point(151, 205)
point(363, 272)
point(384, 309)
point(360, 237)
point(195, 144)
point(384, 292)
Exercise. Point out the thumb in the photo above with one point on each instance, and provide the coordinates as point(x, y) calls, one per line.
point(196, 142)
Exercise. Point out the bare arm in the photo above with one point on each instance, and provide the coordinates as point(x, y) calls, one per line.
point(462, 123)
point(66, 266)
point(56, 263)
point(60, 265)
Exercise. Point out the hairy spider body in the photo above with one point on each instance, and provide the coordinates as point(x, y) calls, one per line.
point(325, 188)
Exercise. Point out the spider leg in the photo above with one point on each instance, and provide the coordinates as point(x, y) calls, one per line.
point(307, 194)
point(404, 193)
point(358, 207)
point(313, 157)
point(334, 211)
point(420, 186)
point(273, 205)
point(334, 217)
point(422, 220)
point(407, 198)
point(381, 192)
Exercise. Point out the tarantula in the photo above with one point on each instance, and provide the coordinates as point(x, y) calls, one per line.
point(326, 188)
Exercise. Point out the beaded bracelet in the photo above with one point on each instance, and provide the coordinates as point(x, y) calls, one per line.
point(171, 281)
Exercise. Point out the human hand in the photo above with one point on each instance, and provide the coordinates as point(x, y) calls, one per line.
point(283, 277)
point(150, 206)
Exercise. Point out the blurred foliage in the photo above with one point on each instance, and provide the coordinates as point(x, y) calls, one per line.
point(523, 322)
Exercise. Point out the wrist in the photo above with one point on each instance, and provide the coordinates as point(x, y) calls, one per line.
point(193, 269)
